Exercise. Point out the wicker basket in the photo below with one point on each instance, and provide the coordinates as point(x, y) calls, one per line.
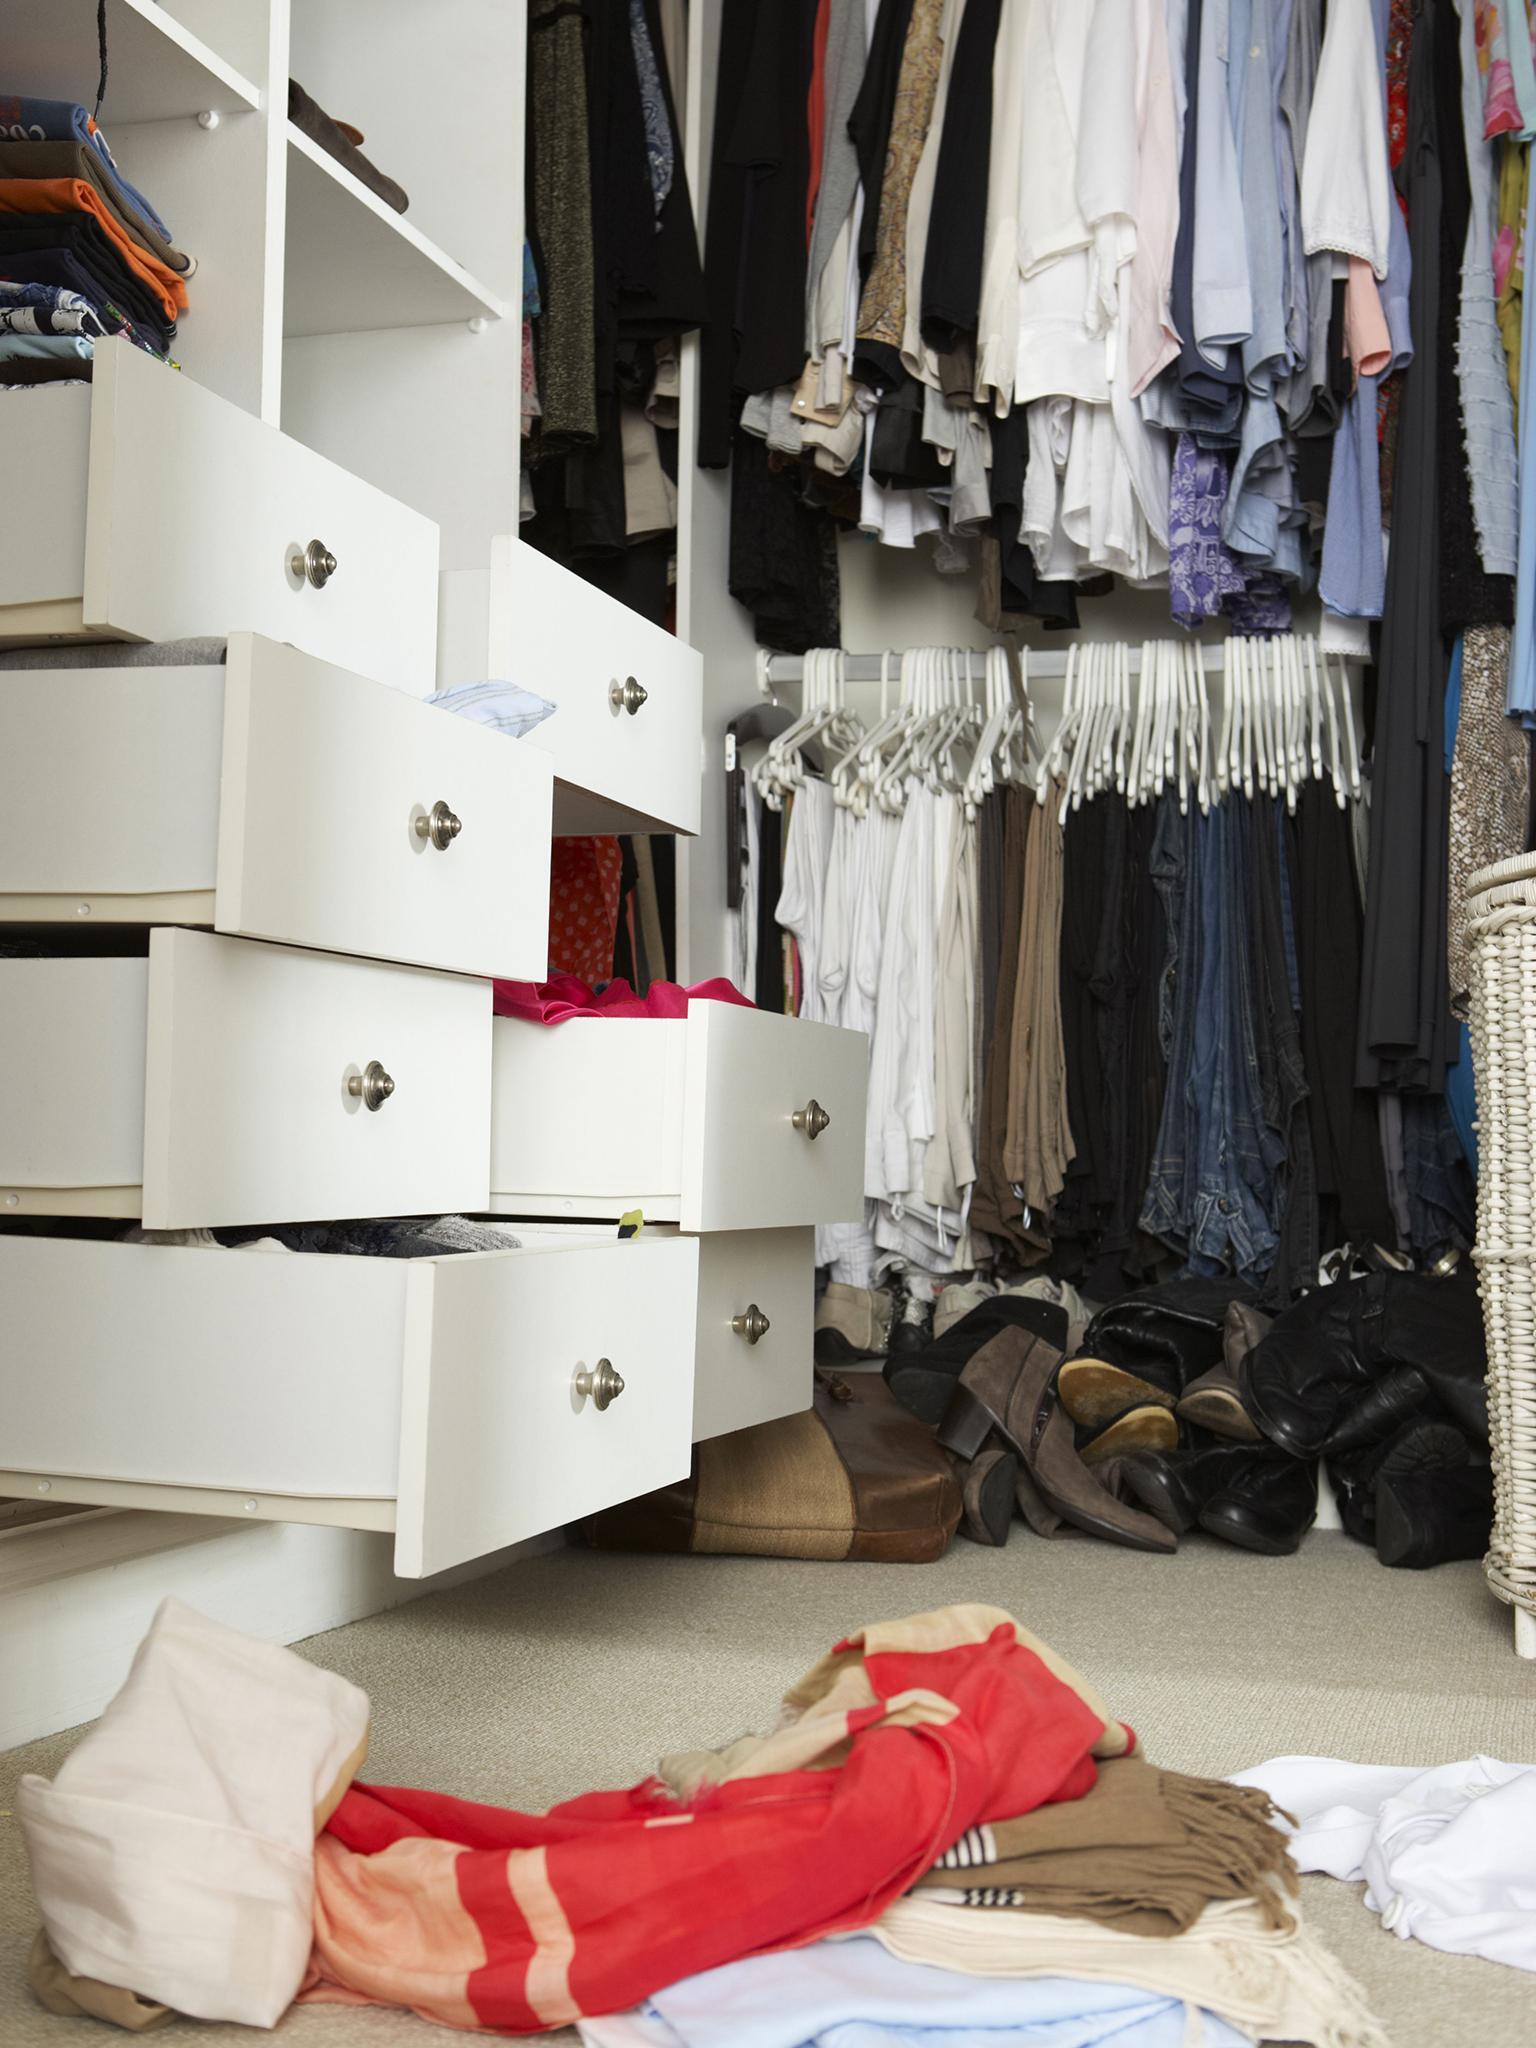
point(1502, 904)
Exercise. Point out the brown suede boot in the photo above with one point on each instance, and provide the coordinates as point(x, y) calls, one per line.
point(987, 1489)
point(1138, 1429)
point(1215, 1401)
point(1095, 1394)
point(1010, 1384)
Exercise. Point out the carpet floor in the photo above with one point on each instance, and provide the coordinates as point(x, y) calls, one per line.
point(571, 1671)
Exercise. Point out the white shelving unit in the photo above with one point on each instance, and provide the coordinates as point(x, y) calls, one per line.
point(389, 342)
point(162, 70)
point(394, 276)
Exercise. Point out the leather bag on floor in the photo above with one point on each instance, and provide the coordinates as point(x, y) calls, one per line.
point(853, 1476)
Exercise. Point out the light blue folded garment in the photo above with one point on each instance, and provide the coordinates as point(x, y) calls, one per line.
point(54, 347)
point(504, 706)
point(855, 1994)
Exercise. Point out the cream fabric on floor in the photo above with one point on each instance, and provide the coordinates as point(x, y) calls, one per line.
point(577, 1670)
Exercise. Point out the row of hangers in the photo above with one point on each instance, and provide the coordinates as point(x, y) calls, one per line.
point(1285, 716)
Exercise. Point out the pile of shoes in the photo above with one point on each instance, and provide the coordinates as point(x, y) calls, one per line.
point(1185, 1407)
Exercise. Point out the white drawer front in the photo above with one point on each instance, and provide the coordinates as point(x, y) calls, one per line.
point(497, 1441)
point(249, 1114)
point(746, 1165)
point(745, 1373)
point(587, 1116)
point(690, 1119)
point(72, 1081)
point(330, 784)
point(555, 634)
point(279, 797)
point(257, 1373)
point(437, 1397)
point(192, 513)
point(110, 779)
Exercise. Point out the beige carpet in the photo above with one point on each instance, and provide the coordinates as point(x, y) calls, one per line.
point(572, 1671)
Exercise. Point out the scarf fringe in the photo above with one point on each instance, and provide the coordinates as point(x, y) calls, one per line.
point(1233, 1829)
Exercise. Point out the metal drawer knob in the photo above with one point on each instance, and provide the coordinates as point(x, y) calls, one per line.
point(372, 1084)
point(440, 826)
point(813, 1119)
point(316, 562)
point(601, 1382)
point(751, 1324)
point(627, 696)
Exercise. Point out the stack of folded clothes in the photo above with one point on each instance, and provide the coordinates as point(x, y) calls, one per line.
point(82, 253)
point(948, 1838)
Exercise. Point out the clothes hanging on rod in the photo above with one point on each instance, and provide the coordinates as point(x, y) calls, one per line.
point(1120, 286)
point(1111, 979)
point(613, 281)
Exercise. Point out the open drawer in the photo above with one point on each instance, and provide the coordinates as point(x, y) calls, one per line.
point(278, 797)
point(463, 1402)
point(625, 736)
point(726, 1119)
point(220, 1081)
point(163, 512)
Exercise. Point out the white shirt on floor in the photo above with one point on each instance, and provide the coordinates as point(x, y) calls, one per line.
point(1448, 1853)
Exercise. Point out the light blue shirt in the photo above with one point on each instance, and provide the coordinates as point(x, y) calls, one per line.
point(855, 1994)
point(1223, 309)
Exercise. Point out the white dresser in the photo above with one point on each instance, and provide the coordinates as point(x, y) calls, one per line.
point(252, 906)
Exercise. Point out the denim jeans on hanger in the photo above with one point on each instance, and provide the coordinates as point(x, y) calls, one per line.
point(1176, 861)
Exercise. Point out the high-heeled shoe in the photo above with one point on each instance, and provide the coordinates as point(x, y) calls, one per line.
point(1010, 1385)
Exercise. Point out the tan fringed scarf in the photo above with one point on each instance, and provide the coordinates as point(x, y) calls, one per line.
point(1145, 1851)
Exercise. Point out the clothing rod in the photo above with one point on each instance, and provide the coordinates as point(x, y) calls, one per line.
point(865, 668)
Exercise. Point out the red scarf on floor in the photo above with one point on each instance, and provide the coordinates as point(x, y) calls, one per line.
point(904, 1737)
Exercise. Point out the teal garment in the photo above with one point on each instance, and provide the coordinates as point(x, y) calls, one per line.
point(53, 348)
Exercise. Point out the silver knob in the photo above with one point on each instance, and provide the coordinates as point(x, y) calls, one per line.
point(372, 1084)
point(316, 562)
point(440, 826)
point(751, 1323)
point(813, 1119)
point(601, 1382)
point(627, 696)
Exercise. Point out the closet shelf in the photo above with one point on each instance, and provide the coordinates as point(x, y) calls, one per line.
point(354, 264)
point(159, 70)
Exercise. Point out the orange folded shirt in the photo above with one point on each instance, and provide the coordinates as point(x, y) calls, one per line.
point(74, 195)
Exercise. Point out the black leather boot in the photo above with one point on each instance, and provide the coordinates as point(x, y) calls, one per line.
point(1420, 1445)
point(1296, 1379)
point(1175, 1485)
point(1425, 1518)
point(1266, 1504)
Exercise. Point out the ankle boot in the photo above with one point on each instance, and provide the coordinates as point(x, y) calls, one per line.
point(912, 1331)
point(924, 1381)
point(1267, 1504)
point(988, 1486)
point(1009, 1384)
point(1214, 1401)
point(1426, 1518)
point(1176, 1485)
